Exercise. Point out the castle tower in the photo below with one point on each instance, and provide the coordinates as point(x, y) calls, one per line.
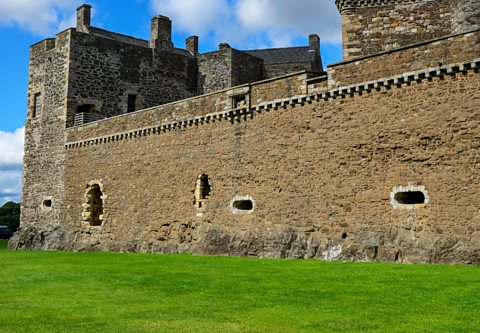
point(372, 26)
point(44, 159)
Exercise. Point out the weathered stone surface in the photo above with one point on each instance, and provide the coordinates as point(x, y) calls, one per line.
point(449, 50)
point(373, 26)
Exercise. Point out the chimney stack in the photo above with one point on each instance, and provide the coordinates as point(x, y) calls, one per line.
point(84, 14)
point(192, 44)
point(314, 43)
point(161, 33)
point(314, 47)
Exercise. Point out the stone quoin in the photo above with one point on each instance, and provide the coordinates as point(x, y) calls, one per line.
point(139, 145)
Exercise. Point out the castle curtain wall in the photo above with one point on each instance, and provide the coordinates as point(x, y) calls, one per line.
point(375, 160)
point(321, 176)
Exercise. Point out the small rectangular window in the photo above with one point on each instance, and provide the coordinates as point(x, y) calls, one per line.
point(239, 101)
point(132, 99)
point(37, 105)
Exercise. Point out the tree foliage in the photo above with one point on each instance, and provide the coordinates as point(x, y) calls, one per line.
point(10, 215)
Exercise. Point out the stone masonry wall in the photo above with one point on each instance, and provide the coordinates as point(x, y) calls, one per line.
point(371, 29)
point(320, 173)
point(466, 15)
point(44, 159)
point(227, 68)
point(104, 72)
point(276, 70)
point(289, 85)
point(454, 49)
point(214, 71)
point(245, 68)
point(189, 109)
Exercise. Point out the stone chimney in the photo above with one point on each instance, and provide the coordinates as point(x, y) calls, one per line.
point(314, 43)
point(192, 44)
point(314, 47)
point(84, 14)
point(161, 33)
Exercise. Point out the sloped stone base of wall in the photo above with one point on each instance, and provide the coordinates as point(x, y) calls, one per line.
point(386, 245)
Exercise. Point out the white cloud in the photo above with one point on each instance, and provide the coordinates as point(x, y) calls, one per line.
point(10, 186)
point(11, 159)
point(194, 16)
point(250, 23)
point(43, 17)
point(296, 17)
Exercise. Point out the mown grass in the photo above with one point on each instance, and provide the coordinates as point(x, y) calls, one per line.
point(112, 292)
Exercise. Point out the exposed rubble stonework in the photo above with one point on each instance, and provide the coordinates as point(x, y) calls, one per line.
point(378, 158)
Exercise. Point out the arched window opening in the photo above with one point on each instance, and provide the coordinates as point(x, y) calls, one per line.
point(93, 208)
point(203, 188)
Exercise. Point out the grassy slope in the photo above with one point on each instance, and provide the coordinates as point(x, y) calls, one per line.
point(106, 292)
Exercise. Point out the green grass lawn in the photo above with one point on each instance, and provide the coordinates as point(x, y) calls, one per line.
point(113, 292)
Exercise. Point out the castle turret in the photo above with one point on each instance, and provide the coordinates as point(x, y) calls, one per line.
point(372, 26)
point(84, 15)
point(161, 33)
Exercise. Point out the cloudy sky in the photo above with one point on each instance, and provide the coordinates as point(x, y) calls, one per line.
point(244, 24)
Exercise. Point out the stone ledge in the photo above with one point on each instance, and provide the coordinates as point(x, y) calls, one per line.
point(244, 113)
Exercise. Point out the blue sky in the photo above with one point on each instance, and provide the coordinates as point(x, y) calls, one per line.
point(244, 24)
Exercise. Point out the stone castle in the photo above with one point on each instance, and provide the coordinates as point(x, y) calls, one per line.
point(136, 145)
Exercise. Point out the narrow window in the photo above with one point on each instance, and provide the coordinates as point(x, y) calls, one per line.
point(202, 191)
point(37, 105)
point(93, 209)
point(132, 99)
